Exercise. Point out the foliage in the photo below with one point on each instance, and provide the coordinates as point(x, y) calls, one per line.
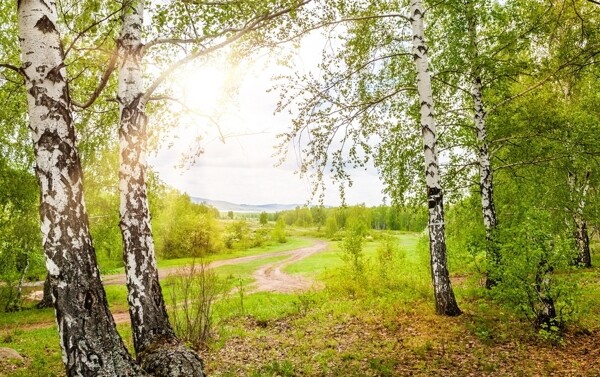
point(237, 234)
point(278, 233)
point(534, 279)
point(352, 248)
point(407, 218)
point(331, 227)
point(194, 290)
point(185, 229)
point(264, 218)
point(20, 242)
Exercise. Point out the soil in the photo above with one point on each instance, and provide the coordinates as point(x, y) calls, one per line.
point(269, 278)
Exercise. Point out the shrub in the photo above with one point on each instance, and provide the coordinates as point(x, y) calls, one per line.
point(351, 246)
point(278, 233)
point(194, 291)
point(528, 278)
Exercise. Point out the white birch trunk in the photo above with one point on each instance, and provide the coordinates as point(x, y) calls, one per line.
point(486, 186)
point(444, 295)
point(159, 351)
point(582, 239)
point(90, 343)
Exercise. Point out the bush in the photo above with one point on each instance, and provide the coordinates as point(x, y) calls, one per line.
point(194, 292)
point(531, 277)
point(388, 255)
point(278, 233)
point(351, 246)
point(237, 235)
point(331, 227)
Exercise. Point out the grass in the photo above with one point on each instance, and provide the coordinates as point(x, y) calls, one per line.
point(291, 244)
point(379, 323)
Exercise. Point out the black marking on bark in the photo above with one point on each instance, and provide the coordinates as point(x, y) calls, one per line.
point(433, 195)
point(45, 25)
point(89, 300)
point(49, 140)
point(55, 75)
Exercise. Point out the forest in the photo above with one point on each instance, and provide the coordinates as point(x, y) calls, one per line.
point(478, 116)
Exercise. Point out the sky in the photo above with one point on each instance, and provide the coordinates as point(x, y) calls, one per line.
point(239, 138)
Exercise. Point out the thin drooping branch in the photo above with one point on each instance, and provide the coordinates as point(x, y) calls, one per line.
point(532, 162)
point(102, 85)
point(341, 21)
point(252, 25)
point(536, 85)
point(90, 27)
point(197, 41)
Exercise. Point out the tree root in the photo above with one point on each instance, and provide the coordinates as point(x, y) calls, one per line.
point(171, 358)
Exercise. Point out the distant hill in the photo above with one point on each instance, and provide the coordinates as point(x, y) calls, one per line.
point(224, 206)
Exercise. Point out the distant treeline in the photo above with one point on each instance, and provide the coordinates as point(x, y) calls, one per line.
point(382, 217)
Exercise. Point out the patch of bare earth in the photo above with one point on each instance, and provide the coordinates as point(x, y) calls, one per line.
point(271, 278)
point(412, 344)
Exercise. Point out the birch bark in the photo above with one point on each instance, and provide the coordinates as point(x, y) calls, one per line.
point(486, 185)
point(159, 351)
point(90, 343)
point(444, 295)
point(582, 239)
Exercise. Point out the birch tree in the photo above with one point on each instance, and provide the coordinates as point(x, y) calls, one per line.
point(486, 185)
point(159, 351)
point(90, 343)
point(444, 295)
point(579, 189)
point(361, 105)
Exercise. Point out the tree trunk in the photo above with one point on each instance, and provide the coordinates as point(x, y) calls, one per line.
point(158, 349)
point(486, 187)
point(584, 256)
point(582, 239)
point(90, 343)
point(46, 301)
point(546, 316)
point(16, 304)
point(444, 295)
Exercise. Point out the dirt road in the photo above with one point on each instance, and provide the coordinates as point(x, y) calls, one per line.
point(269, 277)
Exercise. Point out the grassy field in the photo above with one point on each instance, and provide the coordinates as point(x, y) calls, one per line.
point(379, 322)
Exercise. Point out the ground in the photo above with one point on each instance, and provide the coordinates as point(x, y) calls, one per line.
point(303, 313)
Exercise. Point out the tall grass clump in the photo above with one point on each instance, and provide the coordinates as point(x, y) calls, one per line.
point(194, 291)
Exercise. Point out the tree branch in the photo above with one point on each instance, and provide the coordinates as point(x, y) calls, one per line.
point(103, 82)
point(192, 111)
point(82, 33)
point(337, 22)
point(12, 67)
point(249, 27)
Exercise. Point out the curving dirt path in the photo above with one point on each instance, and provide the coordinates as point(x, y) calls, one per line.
point(265, 282)
point(269, 277)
